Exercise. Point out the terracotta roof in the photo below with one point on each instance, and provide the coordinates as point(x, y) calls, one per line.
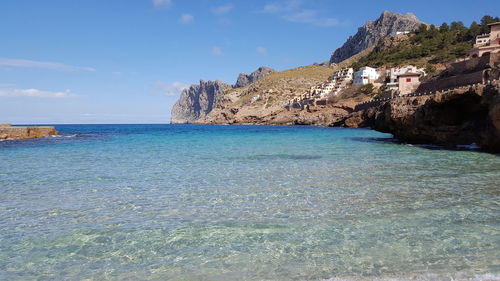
point(409, 74)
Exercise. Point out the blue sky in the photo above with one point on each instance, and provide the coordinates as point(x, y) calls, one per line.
point(125, 61)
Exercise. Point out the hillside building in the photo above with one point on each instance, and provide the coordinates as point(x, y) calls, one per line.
point(408, 82)
point(399, 32)
point(337, 82)
point(393, 73)
point(482, 40)
point(490, 44)
point(365, 75)
point(345, 73)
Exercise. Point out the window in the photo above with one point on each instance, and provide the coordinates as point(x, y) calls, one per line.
point(408, 79)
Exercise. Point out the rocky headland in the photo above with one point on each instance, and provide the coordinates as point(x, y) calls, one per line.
point(454, 102)
point(197, 101)
point(260, 97)
point(263, 102)
point(8, 132)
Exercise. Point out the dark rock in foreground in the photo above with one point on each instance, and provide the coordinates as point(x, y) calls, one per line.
point(456, 117)
point(8, 132)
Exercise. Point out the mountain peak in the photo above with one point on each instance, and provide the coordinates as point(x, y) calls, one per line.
point(247, 79)
point(369, 34)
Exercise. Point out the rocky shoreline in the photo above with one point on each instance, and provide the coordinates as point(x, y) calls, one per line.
point(464, 116)
point(9, 132)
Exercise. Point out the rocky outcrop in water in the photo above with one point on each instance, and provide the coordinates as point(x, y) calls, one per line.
point(197, 101)
point(8, 132)
point(449, 118)
point(247, 79)
point(369, 34)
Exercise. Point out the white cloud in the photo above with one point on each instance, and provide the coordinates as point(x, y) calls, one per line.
point(284, 6)
point(261, 51)
point(171, 89)
point(293, 11)
point(217, 51)
point(221, 10)
point(35, 93)
point(42, 64)
point(186, 18)
point(164, 3)
point(310, 17)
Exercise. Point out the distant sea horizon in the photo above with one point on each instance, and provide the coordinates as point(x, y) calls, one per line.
point(210, 202)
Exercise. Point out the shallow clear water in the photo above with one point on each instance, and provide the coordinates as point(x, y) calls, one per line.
point(161, 202)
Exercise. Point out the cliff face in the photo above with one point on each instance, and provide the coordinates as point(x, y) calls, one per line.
point(247, 79)
point(197, 101)
point(369, 34)
point(263, 102)
point(456, 117)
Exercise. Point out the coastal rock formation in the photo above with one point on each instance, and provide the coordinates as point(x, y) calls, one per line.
point(456, 117)
point(369, 34)
point(263, 102)
point(8, 132)
point(197, 101)
point(247, 79)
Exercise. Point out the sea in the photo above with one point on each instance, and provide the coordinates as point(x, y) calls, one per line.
point(194, 202)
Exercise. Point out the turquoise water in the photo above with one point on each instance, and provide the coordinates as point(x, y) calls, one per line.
point(161, 202)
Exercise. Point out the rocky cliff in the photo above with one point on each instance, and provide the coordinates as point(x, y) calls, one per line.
point(369, 34)
point(247, 79)
point(8, 132)
point(198, 100)
point(266, 102)
point(450, 118)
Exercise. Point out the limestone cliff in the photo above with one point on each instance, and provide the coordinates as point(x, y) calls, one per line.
point(247, 79)
point(455, 117)
point(197, 101)
point(369, 34)
point(264, 101)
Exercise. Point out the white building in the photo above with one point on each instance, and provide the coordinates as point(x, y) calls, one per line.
point(327, 88)
point(399, 32)
point(482, 40)
point(345, 74)
point(365, 75)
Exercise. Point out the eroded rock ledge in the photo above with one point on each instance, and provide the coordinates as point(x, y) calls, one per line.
point(449, 118)
point(8, 132)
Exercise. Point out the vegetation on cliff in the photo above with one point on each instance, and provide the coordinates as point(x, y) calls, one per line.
point(428, 45)
point(369, 34)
